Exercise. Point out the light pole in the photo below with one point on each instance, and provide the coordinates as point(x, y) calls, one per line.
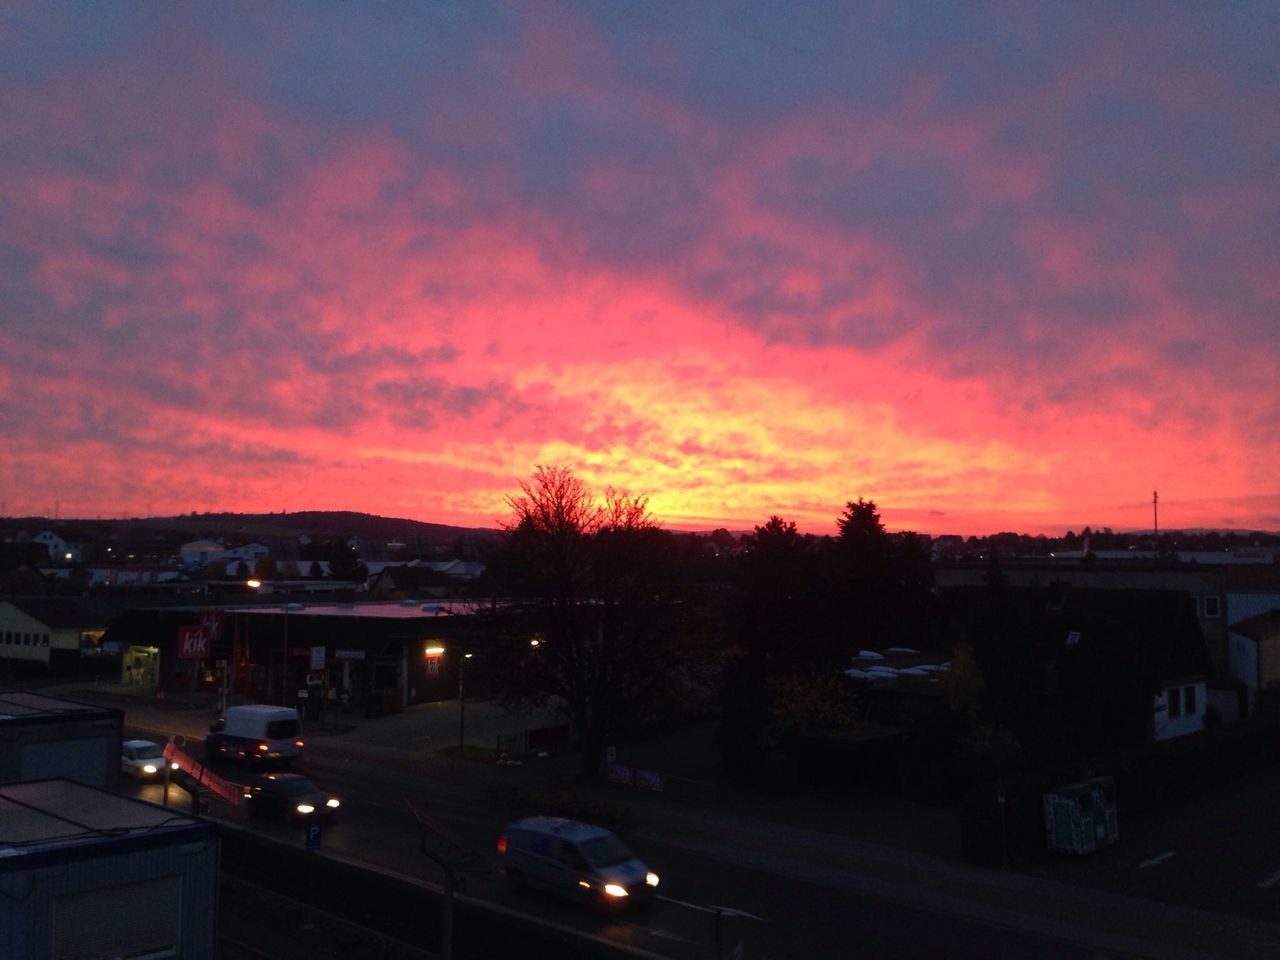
point(462, 704)
point(284, 656)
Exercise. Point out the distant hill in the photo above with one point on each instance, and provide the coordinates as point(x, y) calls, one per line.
point(332, 523)
point(245, 527)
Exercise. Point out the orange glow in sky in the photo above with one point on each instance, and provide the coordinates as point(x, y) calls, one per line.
point(1002, 269)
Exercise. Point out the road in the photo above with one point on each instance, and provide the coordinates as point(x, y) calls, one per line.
point(785, 902)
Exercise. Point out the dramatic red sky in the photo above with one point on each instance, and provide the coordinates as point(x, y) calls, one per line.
point(996, 267)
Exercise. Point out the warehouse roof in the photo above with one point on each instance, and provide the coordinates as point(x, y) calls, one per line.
point(22, 704)
point(66, 819)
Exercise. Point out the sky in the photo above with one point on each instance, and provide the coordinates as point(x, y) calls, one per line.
point(996, 267)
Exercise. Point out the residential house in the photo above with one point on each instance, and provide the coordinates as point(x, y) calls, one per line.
point(1252, 590)
point(53, 632)
point(1101, 667)
point(197, 554)
point(421, 577)
point(248, 553)
point(64, 546)
point(1255, 653)
point(1204, 584)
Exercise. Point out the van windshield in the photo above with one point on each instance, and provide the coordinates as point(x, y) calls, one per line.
point(604, 851)
point(282, 729)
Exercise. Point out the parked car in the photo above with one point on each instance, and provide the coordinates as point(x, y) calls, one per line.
point(143, 759)
point(289, 796)
point(259, 733)
point(573, 859)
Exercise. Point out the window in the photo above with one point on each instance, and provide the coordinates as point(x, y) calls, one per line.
point(44, 640)
point(1212, 607)
point(1189, 701)
point(1175, 702)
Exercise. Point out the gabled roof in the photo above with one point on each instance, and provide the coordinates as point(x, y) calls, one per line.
point(1254, 578)
point(1264, 626)
point(1151, 636)
point(57, 612)
point(66, 534)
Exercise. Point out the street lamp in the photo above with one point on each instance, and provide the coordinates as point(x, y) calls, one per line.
point(462, 704)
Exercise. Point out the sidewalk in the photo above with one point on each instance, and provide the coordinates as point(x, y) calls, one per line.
point(883, 848)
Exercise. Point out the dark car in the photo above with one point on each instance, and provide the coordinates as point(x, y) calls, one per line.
point(289, 796)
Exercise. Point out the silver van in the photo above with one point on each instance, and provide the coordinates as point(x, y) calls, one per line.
point(574, 859)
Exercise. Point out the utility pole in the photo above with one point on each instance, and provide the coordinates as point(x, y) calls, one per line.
point(1155, 511)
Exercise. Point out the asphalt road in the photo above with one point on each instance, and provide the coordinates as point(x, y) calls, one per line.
point(793, 906)
point(1191, 881)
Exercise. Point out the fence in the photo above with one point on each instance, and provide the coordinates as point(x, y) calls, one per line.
point(522, 743)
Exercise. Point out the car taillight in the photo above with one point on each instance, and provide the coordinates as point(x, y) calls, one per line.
point(502, 844)
point(297, 743)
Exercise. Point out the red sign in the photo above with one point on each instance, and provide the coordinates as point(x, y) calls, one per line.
point(193, 643)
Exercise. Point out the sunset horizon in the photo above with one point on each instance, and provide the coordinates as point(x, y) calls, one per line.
point(684, 526)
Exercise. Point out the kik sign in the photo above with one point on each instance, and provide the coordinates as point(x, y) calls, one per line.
point(211, 622)
point(193, 643)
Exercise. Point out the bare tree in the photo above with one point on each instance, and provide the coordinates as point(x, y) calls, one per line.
point(586, 573)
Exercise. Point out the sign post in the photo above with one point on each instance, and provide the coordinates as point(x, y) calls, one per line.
point(313, 844)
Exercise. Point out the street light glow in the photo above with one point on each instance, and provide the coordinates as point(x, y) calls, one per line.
point(433, 651)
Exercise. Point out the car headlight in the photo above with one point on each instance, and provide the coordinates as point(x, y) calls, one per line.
point(149, 768)
point(651, 879)
point(173, 766)
point(333, 803)
point(614, 890)
point(305, 808)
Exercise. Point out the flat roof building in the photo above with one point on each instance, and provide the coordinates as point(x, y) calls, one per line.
point(88, 873)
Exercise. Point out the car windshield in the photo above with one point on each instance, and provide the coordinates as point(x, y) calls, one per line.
point(294, 788)
point(282, 729)
point(149, 752)
point(604, 851)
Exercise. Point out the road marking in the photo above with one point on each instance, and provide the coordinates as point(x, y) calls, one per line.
point(667, 936)
point(1270, 881)
point(1156, 861)
point(691, 906)
point(712, 908)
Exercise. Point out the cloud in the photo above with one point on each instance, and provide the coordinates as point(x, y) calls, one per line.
point(745, 259)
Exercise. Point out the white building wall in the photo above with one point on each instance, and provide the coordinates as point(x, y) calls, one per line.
point(1172, 718)
point(22, 636)
point(1242, 653)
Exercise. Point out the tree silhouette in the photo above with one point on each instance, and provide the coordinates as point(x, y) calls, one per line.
point(587, 577)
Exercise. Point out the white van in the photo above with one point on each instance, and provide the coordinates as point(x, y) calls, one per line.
point(574, 859)
point(258, 733)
